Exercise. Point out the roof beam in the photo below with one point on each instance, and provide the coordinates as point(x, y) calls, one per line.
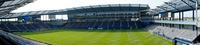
point(187, 4)
point(194, 2)
point(171, 4)
point(163, 8)
point(5, 0)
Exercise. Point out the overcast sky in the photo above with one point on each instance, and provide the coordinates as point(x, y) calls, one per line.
point(62, 4)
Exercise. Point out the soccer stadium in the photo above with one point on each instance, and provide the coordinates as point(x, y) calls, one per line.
point(175, 22)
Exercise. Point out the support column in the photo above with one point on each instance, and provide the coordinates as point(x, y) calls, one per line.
point(193, 19)
point(182, 16)
point(179, 19)
point(182, 19)
point(172, 17)
point(179, 16)
point(169, 18)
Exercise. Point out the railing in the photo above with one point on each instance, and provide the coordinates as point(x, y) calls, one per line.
point(19, 40)
point(175, 22)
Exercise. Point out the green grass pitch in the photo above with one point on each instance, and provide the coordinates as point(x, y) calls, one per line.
point(96, 37)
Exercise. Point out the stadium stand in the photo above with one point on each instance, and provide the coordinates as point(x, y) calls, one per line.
point(172, 33)
point(160, 21)
point(170, 21)
point(86, 17)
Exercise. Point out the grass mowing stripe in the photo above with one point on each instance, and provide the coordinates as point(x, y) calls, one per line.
point(135, 39)
point(85, 39)
point(80, 38)
point(114, 39)
point(123, 38)
point(105, 40)
point(161, 40)
point(96, 37)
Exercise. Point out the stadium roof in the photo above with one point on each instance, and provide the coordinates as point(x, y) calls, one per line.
point(175, 6)
point(171, 6)
point(84, 9)
point(6, 6)
point(108, 8)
